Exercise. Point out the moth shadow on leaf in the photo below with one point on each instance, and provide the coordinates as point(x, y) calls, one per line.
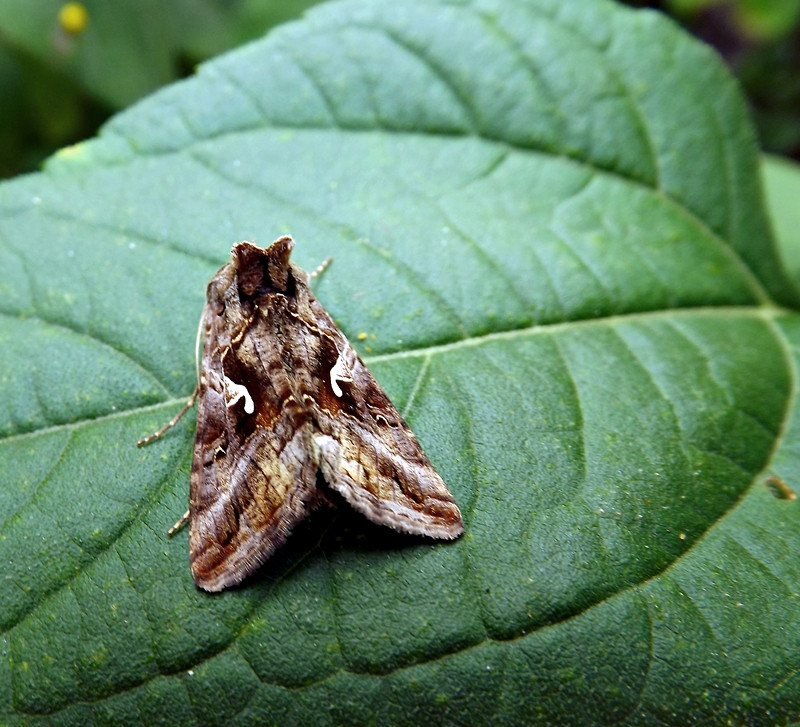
point(351, 530)
point(331, 530)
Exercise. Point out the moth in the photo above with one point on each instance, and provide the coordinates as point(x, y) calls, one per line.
point(282, 399)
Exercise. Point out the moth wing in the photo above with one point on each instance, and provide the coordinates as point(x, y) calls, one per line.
point(367, 452)
point(253, 474)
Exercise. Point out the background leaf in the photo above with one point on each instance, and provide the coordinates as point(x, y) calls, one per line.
point(120, 51)
point(65, 67)
point(782, 183)
point(546, 218)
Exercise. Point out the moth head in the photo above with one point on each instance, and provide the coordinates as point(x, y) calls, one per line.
point(259, 269)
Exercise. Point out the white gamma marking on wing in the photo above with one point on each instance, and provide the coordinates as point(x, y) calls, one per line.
point(234, 392)
point(339, 372)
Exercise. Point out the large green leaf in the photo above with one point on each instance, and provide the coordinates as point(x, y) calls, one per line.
point(547, 219)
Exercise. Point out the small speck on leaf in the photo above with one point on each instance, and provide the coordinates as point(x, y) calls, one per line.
point(779, 489)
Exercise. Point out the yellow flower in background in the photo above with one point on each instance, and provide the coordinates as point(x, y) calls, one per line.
point(73, 18)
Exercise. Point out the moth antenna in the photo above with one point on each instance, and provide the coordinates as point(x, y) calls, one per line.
point(197, 350)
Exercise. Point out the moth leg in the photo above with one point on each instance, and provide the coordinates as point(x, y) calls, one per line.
point(172, 422)
point(178, 525)
point(324, 264)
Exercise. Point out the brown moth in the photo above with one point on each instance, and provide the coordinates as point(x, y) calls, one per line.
point(282, 395)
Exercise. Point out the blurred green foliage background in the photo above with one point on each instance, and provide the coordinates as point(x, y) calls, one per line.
point(66, 67)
